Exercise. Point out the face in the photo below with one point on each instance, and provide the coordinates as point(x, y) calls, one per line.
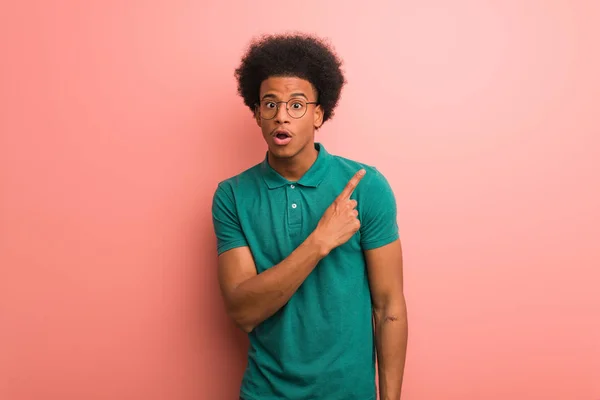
point(288, 133)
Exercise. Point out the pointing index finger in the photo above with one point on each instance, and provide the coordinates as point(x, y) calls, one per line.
point(351, 185)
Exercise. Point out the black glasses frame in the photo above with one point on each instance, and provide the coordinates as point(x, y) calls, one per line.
point(286, 108)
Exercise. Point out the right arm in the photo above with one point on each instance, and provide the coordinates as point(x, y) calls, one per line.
point(251, 298)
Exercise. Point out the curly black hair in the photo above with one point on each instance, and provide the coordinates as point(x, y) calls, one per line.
point(299, 55)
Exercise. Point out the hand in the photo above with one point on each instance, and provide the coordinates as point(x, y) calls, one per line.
point(340, 220)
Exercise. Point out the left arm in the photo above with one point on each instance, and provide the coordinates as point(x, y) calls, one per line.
point(384, 265)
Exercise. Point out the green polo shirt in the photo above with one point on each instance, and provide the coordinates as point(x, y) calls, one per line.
point(320, 345)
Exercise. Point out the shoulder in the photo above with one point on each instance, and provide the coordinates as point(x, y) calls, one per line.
point(373, 181)
point(243, 181)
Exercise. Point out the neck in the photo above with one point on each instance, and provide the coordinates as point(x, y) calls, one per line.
point(295, 167)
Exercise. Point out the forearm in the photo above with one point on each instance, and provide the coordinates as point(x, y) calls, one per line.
point(261, 296)
point(391, 335)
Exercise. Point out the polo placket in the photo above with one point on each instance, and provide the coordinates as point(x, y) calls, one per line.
point(294, 208)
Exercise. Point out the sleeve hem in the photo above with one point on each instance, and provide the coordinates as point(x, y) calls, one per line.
point(379, 243)
point(230, 245)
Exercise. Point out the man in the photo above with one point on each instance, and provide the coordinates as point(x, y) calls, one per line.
point(310, 261)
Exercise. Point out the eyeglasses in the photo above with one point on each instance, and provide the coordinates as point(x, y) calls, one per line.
point(296, 108)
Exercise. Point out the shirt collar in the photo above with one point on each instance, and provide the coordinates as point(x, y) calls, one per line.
point(312, 177)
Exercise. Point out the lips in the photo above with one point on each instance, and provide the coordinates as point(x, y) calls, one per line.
point(282, 134)
point(281, 137)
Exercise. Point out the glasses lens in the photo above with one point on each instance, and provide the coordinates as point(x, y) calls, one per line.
point(268, 109)
point(296, 108)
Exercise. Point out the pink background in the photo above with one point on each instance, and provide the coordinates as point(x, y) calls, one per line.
point(118, 118)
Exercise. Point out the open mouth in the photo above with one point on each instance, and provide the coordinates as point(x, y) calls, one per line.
point(282, 138)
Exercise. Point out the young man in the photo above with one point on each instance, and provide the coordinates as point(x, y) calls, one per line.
point(310, 261)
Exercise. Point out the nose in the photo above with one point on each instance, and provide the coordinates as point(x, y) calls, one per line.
point(282, 115)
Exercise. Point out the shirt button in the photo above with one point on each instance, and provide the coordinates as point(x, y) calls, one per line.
point(294, 205)
point(292, 186)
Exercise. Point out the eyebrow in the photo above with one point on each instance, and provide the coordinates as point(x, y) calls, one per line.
point(272, 96)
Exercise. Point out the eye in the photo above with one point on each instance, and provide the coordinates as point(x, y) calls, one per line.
point(269, 104)
point(297, 105)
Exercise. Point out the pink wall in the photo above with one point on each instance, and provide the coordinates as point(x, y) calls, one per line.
point(117, 119)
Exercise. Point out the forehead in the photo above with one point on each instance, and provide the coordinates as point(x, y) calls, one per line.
point(283, 86)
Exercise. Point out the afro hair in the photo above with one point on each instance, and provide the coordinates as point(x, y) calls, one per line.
point(299, 55)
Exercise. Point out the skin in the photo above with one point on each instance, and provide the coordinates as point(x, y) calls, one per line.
point(294, 159)
point(384, 266)
point(250, 298)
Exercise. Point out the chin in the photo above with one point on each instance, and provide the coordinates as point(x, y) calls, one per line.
point(282, 152)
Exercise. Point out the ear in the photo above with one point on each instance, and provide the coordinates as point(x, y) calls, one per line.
point(318, 117)
point(257, 116)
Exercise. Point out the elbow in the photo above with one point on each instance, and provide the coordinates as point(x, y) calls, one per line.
point(243, 315)
point(391, 317)
point(393, 310)
point(246, 327)
point(243, 322)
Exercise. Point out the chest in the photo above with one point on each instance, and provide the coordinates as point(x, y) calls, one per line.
point(277, 221)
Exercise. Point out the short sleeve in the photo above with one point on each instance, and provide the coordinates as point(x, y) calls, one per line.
point(226, 223)
point(379, 225)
